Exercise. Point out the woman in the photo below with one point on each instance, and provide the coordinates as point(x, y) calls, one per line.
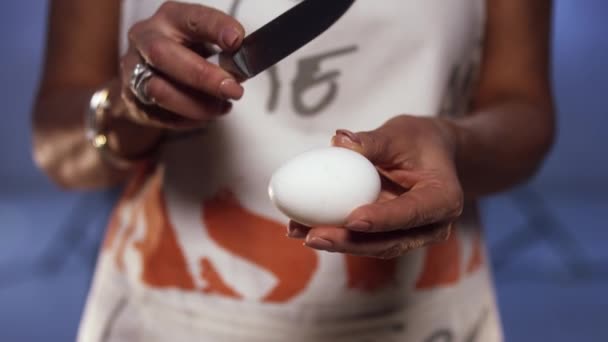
point(195, 250)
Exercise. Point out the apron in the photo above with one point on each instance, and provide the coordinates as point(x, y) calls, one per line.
point(195, 250)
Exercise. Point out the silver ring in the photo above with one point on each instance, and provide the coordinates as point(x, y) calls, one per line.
point(140, 77)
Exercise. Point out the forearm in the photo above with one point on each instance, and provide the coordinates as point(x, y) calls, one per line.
point(62, 150)
point(501, 145)
point(506, 137)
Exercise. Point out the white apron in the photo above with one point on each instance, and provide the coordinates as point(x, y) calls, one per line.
point(196, 251)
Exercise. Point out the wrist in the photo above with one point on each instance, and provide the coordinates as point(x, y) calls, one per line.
point(470, 155)
point(134, 142)
point(454, 135)
point(117, 138)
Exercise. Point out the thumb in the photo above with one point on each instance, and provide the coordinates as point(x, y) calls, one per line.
point(373, 145)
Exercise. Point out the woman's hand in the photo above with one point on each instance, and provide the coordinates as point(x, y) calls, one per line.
point(186, 90)
point(421, 196)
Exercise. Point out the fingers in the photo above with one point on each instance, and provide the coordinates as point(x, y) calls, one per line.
point(186, 67)
point(198, 23)
point(184, 83)
point(425, 204)
point(378, 245)
point(373, 145)
point(156, 116)
point(423, 167)
point(438, 198)
point(176, 99)
point(297, 231)
point(172, 97)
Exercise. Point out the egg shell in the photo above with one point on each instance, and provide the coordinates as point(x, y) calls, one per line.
point(323, 186)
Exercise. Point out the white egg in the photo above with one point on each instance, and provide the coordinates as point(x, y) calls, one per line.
point(323, 186)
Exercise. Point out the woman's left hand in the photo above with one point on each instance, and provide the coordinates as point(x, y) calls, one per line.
point(420, 199)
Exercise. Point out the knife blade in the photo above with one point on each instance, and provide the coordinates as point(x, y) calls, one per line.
point(281, 37)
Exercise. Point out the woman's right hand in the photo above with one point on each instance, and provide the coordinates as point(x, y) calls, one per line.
point(186, 89)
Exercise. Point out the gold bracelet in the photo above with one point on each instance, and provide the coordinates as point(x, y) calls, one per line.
point(97, 130)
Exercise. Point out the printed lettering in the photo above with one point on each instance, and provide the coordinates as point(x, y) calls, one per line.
point(310, 76)
point(262, 242)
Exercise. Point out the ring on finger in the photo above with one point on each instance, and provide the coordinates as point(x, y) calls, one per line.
point(139, 80)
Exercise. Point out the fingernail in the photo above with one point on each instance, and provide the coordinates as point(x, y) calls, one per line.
point(346, 139)
point(320, 244)
point(230, 37)
point(231, 90)
point(348, 135)
point(295, 233)
point(360, 226)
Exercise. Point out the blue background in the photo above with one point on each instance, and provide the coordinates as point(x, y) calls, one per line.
point(547, 238)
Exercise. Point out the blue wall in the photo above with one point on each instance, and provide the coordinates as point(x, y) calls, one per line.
point(546, 239)
point(579, 164)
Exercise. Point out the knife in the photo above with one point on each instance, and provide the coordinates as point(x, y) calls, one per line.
point(281, 37)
